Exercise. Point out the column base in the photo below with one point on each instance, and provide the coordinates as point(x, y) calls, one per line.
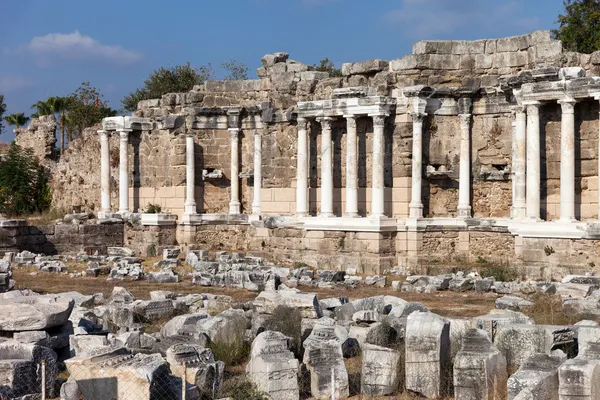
point(109, 215)
point(518, 212)
point(326, 215)
point(301, 214)
point(533, 219)
point(567, 220)
point(416, 210)
point(256, 210)
point(351, 215)
point(234, 208)
point(464, 212)
point(190, 209)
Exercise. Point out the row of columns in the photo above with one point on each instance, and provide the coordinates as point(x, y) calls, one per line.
point(190, 206)
point(464, 188)
point(302, 168)
point(527, 178)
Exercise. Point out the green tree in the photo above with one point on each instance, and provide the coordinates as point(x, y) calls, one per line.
point(85, 108)
point(23, 183)
point(579, 26)
point(41, 108)
point(325, 65)
point(237, 71)
point(2, 109)
point(18, 120)
point(60, 106)
point(180, 78)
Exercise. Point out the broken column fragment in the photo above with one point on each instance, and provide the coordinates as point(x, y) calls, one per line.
point(537, 378)
point(579, 378)
point(479, 368)
point(272, 366)
point(427, 354)
point(325, 362)
point(380, 369)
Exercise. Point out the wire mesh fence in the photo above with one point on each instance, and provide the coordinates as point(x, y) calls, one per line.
point(151, 378)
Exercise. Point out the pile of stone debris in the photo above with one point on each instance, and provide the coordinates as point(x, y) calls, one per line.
point(103, 342)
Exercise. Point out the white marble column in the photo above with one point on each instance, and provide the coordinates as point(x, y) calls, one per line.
point(351, 167)
point(257, 178)
point(123, 171)
point(519, 208)
point(326, 168)
point(302, 170)
point(533, 161)
point(377, 191)
point(104, 172)
point(567, 160)
point(234, 203)
point(416, 203)
point(190, 175)
point(464, 183)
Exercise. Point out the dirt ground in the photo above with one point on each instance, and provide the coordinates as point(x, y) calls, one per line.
point(448, 304)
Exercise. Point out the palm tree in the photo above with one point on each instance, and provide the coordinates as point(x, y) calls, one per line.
point(42, 108)
point(18, 119)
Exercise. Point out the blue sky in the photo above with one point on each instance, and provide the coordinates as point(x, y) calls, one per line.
point(48, 48)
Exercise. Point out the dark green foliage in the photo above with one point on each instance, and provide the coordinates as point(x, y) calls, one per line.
point(18, 119)
point(502, 272)
point(237, 70)
point(287, 320)
point(2, 109)
point(579, 26)
point(240, 388)
point(86, 108)
point(23, 183)
point(180, 78)
point(325, 65)
point(153, 208)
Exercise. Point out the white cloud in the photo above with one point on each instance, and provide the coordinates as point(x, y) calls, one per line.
point(432, 19)
point(14, 83)
point(55, 48)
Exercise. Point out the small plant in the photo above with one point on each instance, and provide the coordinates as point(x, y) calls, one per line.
point(481, 260)
point(549, 250)
point(151, 250)
point(240, 388)
point(287, 320)
point(502, 272)
point(591, 264)
point(232, 350)
point(301, 265)
point(153, 208)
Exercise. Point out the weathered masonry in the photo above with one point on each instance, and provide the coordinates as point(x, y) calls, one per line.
point(459, 151)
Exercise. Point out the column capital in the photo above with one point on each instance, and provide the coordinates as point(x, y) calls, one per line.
point(418, 116)
point(595, 95)
point(124, 134)
point(234, 133)
point(350, 120)
point(103, 134)
point(378, 119)
point(190, 134)
point(518, 109)
point(567, 105)
point(325, 122)
point(301, 120)
point(532, 107)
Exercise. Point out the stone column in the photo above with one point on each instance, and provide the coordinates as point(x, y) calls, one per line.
point(519, 208)
point(416, 204)
point(123, 171)
point(190, 175)
point(302, 170)
point(533, 160)
point(234, 203)
point(326, 168)
point(351, 167)
point(104, 172)
point(377, 192)
point(464, 183)
point(567, 160)
point(257, 172)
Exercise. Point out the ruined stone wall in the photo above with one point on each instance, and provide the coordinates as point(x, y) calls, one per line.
point(61, 238)
point(157, 157)
point(40, 136)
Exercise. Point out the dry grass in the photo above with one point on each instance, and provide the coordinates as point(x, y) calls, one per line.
point(548, 309)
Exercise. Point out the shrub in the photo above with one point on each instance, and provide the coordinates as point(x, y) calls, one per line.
point(151, 250)
point(234, 350)
point(240, 388)
point(502, 272)
point(153, 208)
point(24, 185)
point(287, 320)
